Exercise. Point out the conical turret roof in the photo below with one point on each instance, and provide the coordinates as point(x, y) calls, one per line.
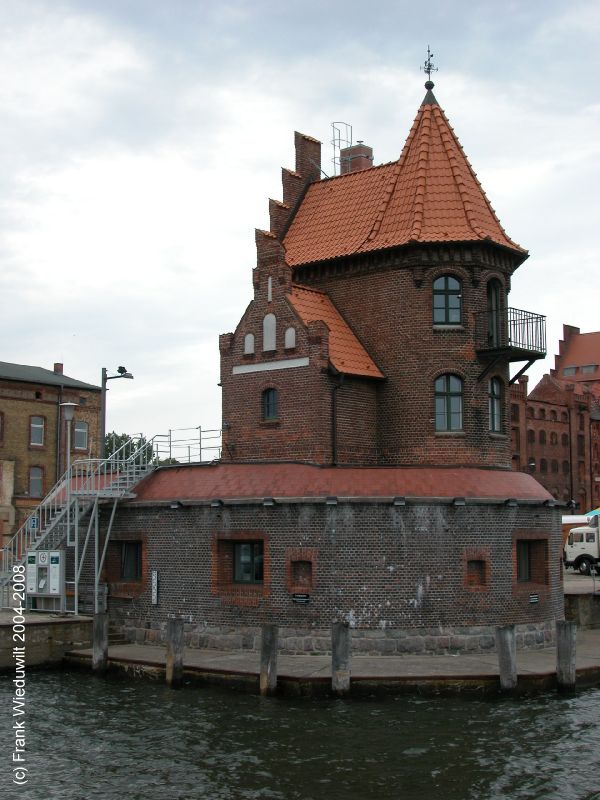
point(430, 195)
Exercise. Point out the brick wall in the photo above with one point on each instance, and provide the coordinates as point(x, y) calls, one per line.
point(21, 401)
point(398, 574)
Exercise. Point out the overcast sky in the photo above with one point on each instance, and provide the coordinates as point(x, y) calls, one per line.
point(141, 140)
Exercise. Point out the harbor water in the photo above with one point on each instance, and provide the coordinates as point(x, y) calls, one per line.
point(121, 739)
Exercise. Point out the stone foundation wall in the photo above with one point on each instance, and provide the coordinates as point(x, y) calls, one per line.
point(390, 641)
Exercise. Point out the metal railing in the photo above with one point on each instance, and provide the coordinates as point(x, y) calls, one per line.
point(517, 330)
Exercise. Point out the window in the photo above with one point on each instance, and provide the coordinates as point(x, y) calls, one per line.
point(589, 368)
point(476, 572)
point(269, 404)
point(553, 438)
point(590, 536)
point(531, 560)
point(447, 301)
point(494, 313)
point(553, 416)
point(542, 437)
point(448, 403)
point(36, 481)
point(131, 561)
point(542, 413)
point(495, 404)
point(248, 344)
point(36, 431)
point(80, 435)
point(564, 440)
point(565, 467)
point(248, 562)
point(290, 338)
point(514, 413)
point(543, 465)
point(569, 370)
point(531, 436)
point(269, 332)
point(554, 465)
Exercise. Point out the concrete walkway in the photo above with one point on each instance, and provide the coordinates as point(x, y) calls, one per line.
point(536, 668)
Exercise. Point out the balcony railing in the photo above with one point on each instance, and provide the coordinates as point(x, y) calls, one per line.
point(522, 333)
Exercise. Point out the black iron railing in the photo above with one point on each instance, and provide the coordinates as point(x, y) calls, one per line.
point(516, 330)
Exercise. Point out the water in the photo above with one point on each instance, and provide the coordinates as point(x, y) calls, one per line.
point(114, 739)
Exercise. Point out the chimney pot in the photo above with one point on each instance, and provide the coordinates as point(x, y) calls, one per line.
point(58, 368)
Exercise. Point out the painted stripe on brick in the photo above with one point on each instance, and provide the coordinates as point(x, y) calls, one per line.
point(288, 363)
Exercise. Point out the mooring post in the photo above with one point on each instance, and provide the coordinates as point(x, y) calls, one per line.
point(100, 642)
point(340, 658)
point(507, 656)
point(268, 659)
point(174, 668)
point(566, 651)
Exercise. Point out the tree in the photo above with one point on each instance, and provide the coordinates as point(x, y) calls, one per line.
point(125, 446)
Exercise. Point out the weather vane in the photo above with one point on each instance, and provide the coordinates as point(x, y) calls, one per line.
point(428, 66)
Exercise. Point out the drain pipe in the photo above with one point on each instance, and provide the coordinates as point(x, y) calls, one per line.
point(334, 392)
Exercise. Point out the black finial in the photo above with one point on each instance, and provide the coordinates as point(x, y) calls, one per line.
point(429, 68)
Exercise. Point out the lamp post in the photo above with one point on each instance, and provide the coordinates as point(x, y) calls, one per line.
point(121, 373)
point(68, 413)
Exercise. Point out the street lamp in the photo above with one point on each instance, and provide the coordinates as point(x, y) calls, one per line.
point(121, 373)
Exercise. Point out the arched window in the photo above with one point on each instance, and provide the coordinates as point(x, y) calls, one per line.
point(494, 313)
point(542, 437)
point(248, 344)
point(290, 338)
point(448, 403)
point(447, 301)
point(531, 436)
point(495, 404)
point(269, 404)
point(553, 415)
point(554, 465)
point(542, 413)
point(565, 467)
point(543, 465)
point(530, 412)
point(269, 330)
point(564, 440)
point(553, 438)
point(564, 417)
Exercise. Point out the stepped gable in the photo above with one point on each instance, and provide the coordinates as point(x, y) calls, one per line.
point(430, 195)
point(346, 353)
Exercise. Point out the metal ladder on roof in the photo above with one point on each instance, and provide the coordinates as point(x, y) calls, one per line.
point(54, 523)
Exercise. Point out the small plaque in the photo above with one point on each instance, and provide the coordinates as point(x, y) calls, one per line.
point(154, 587)
point(301, 599)
point(534, 598)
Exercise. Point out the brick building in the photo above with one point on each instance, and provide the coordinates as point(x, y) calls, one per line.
point(555, 428)
point(366, 470)
point(33, 434)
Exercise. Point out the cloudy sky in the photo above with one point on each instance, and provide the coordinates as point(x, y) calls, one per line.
point(140, 140)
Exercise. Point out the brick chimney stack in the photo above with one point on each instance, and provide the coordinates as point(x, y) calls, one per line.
point(58, 368)
point(356, 157)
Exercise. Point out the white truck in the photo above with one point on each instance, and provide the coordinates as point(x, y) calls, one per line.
point(582, 547)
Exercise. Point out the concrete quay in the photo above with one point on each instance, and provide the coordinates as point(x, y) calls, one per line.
point(308, 674)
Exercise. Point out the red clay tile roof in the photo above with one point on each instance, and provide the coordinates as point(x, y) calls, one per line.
point(346, 353)
point(245, 481)
point(431, 194)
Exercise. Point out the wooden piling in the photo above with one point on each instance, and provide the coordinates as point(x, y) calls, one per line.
point(507, 656)
point(174, 667)
point(268, 659)
point(340, 658)
point(566, 651)
point(100, 642)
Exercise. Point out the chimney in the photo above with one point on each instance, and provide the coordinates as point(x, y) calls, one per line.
point(58, 368)
point(356, 157)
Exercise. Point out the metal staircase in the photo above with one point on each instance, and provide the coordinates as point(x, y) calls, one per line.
point(55, 522)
